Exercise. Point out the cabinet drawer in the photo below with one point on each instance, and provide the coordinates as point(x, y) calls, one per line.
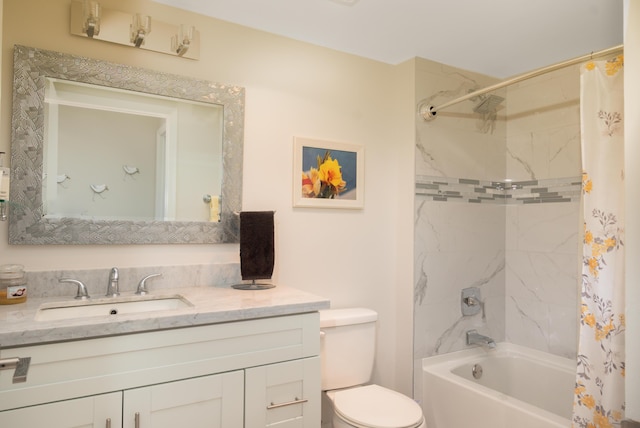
point(286, 395)
point(88, 367)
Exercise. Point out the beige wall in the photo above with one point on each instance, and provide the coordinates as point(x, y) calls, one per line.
point(292, 89)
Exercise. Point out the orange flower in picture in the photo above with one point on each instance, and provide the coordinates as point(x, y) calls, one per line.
point(325, 180)
point(310, 183)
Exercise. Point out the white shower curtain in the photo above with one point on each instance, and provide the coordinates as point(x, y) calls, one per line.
point(599, 394)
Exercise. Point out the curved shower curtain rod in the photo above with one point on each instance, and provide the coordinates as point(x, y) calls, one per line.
point(428, 112)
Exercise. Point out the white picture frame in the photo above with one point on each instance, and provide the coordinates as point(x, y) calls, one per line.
point(310, 191)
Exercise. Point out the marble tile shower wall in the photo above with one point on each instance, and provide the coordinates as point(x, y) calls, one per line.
point(542, 276)
point(456, 245)
point(516, 246)
point(543, 242)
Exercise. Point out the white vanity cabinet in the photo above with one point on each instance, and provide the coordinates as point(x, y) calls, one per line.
point(253, 373)
point(282, 395)
point(215, 401)
point(98, 411)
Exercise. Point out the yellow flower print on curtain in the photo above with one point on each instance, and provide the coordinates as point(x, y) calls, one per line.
point(613, 66)
point(599, 393)
point(604, 241)
point(587, 184)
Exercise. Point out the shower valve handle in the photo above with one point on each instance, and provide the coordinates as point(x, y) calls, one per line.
point(470, 301)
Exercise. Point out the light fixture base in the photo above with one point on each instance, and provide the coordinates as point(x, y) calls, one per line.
point(115, 28)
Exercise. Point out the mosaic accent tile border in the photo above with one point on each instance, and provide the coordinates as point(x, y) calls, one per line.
point(506, 192)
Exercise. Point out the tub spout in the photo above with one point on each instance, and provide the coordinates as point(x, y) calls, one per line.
point(474, 338)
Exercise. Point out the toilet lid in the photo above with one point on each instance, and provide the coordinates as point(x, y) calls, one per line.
point(377, 407)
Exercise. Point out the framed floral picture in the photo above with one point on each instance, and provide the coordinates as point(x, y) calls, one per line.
point(327, 174)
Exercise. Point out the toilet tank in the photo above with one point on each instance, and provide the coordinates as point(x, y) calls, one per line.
point(347, 346)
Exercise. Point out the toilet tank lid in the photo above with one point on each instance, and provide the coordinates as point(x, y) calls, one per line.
point(347, 316)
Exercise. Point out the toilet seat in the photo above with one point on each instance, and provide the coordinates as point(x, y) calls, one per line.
point(373, 406)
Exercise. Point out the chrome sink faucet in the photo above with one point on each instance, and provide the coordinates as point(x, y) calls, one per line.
point(142, 285)
point(474, 338)
point(113, 290)
point(82, 293)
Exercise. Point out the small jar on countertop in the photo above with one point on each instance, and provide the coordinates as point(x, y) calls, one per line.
point(13, 285)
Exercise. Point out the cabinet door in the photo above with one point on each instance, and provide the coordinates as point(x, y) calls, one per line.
point(283, 395)
point(203, 402)
point(99, 411)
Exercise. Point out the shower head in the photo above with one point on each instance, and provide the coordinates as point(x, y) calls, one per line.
point(488, 104)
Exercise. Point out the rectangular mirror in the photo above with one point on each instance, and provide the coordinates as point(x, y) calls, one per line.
point(104, 153)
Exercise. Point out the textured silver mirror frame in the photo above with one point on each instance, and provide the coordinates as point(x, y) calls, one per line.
point(26, 222)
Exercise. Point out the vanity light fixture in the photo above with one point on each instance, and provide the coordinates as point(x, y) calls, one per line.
point(180, 42)
point(90, 19)
point(91, 12)
point(140, 28)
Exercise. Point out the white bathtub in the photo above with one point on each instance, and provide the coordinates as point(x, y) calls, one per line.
point(519, 387)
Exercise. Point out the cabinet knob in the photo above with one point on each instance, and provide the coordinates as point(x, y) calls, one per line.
point(108, 424)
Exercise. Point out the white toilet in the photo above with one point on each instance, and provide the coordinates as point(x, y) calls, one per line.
point(347, 352)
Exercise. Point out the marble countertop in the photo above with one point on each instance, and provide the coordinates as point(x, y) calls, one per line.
point(210, 305)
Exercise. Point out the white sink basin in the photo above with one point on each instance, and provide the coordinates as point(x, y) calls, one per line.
point(110, 307)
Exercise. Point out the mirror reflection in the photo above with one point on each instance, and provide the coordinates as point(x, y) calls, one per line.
point(113, 155)
point(104, 153)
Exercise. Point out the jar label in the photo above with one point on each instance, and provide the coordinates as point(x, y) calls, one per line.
point(4, 183)
point(16, 292)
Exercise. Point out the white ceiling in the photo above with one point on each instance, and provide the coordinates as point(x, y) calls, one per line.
point(499, 38)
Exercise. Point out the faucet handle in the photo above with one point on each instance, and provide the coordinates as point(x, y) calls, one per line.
point(82, 293)
point(142, 285)
point(470, 301)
